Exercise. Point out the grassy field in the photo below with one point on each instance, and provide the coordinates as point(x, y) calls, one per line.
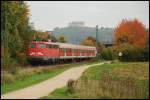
point(119, 80)
point(30, 76)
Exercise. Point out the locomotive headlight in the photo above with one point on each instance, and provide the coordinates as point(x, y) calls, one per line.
point(39, 53)
point(36, 53)
point(32, 53)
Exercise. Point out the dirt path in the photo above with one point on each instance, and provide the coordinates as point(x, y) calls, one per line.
point(44, 88)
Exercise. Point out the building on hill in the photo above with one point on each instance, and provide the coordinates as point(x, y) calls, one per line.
point(50, 32)
point(76, 24)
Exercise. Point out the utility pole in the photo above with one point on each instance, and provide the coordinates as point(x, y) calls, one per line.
point(21, 3)
point(97, 39)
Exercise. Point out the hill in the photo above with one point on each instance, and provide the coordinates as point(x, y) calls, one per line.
point(76, 34)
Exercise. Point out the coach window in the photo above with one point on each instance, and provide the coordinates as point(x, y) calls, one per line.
point(75, 50)
point(83, 51)
point(55, 46)
point(64, 50)
point(69, 50)
point(90, 51)
point(50, 46)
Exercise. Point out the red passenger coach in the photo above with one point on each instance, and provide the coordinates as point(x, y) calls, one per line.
point(50, 51)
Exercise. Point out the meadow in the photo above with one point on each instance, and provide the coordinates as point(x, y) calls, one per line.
point(117, 80)
point(24, 77)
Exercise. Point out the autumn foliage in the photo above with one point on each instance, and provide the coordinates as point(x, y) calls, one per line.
point(89, 41)
point(131, 32)
point(62, 39)
point(40, 36)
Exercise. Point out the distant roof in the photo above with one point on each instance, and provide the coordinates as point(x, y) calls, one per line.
point(76, 23)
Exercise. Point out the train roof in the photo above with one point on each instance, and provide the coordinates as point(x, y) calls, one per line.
point(67, 45)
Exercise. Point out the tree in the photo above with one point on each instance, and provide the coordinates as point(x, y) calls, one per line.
point(89, 41)
point(62, 39)
point(131, 32)
point(52, 38)
point(40, 36)
point(147, 41)
point(16, 31)
point(107, 54)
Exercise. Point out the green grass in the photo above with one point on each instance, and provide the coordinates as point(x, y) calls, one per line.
point(59, 93)
point(124, 80)
point(37, 77)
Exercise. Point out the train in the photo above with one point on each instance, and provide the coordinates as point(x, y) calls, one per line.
point(57, 52)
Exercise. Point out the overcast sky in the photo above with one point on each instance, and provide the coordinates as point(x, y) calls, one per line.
point(46, 15)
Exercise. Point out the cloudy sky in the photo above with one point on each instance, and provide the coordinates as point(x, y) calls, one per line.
point(46, 15)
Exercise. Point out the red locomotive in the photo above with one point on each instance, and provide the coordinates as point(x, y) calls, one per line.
point(55, 51)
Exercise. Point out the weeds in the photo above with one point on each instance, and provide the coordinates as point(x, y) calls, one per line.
point(106, 87)
point(7, 78)
point(20, 74)
point(70, 85)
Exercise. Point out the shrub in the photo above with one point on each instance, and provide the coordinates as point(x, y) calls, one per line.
point(22, 74)
point(8, 63)
point(144, 54)
point(7, 78)
point(70, 85)
point(107, 54)
point(22, 59)
point(133, 53)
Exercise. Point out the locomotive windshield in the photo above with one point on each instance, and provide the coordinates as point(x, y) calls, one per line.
point(41, 45)
point(32, 45)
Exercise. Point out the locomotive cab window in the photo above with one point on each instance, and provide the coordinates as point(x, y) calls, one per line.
point(32, 45)
point(41, 46)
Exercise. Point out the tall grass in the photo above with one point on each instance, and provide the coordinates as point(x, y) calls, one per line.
point(18, 73)
point(108, 88)
point(117, 80)
point(23, 77)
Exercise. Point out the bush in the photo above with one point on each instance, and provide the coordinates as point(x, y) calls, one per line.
point(7, 78)
point(133, 53)
point(70, 85)
point(22, 74)
point(144, 54)
point(107, 54)
point(22, 58)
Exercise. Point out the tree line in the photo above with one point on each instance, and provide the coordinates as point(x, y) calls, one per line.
point(16, 32)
